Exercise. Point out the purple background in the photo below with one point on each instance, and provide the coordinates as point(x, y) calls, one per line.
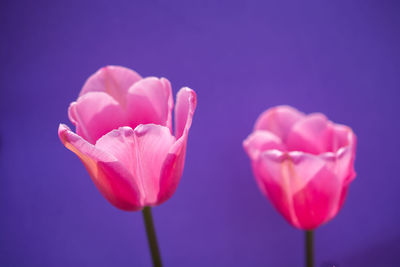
point(337, 57)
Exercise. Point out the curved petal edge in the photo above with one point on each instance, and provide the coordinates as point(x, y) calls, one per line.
point(112, 179)
point(173, 165)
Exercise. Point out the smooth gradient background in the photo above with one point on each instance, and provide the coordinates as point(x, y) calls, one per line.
point(336, 57)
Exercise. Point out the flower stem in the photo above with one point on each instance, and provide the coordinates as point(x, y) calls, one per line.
point(309, 248)
point(151, 236)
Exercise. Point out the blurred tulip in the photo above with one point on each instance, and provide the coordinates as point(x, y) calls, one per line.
point(302, 163)
point(124, 136)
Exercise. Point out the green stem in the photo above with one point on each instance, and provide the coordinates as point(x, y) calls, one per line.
point(309, 248)
point(151, 236)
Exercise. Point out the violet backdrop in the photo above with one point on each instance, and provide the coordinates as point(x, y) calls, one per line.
point(336, 57)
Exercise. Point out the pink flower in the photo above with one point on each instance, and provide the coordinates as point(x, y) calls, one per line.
point(124, 136)
point(302, 163)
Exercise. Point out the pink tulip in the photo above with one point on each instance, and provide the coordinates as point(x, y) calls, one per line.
point(302, 163)
point(124, 136)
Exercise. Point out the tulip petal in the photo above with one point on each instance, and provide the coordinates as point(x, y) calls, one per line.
point(112, 179)
point(345, 164)
point(173, 165)
point(343, 167)
point(310, 135)
point(113, 80)
point(143, 152)
point(342, 136)
point(95, 114)
point(260, 141)
point(316, 201)
point(150, 101)
point(289, 182)
point(276, 186)
point(186, 101)
point(278, 120)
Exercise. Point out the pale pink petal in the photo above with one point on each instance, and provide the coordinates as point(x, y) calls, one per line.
point(310, 135)
point(303, 167)
point(168, 87)
point(173, 166)
point(314, 204)
point(274, 183)
point(342, 164)
point(260, 141)
point(278, 120)
point(338, 138)
point(345, 164)
point(109, 175)
point(186, 101)
point(150, 101)
point(95, 114)
point(113, 80)
point(172, 171)
point(143, 152)
point(285, 176)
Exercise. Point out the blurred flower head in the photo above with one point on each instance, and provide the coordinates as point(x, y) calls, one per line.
point(303, 163)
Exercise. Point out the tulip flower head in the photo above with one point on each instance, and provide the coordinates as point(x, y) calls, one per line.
point(303, 163)
point(124, 136)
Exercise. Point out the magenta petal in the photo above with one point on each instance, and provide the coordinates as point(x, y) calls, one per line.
point(260, 141)
point(150, 101)
point(186, 101)
point(338, 137)
point(286, 176)
point(170, 102)
point(342, 164)
point(174, 163)
point(143, 152)
point(345, 164)
point(109, 175)
point(172, 171)
point(268, 171)
point(95, 114)
point(311, 135)
point(112, 80)
point(314, 204)
point(278, 120)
